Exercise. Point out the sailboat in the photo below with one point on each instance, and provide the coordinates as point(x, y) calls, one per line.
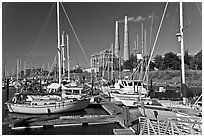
point(48, 104)
point(172, 111)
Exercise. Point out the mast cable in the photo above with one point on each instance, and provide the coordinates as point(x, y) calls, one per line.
point(52, 66)
point(39, 37)
point(150, 41)
point(75, 33)
point(199, 9)
point(156, 39)
point(75, 55)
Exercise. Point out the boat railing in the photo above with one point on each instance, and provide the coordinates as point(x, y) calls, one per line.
point(170, 126)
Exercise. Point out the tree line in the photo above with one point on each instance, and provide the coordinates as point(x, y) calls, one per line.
point(169, 61)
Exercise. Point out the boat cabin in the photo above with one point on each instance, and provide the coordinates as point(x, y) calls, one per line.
point(131, 86)
point(128, 83)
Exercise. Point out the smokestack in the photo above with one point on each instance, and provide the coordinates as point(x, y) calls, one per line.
point(117, 45)
point(126, 42)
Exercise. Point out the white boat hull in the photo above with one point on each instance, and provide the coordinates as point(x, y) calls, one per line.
point(134, 103)
point(58, 107)
point(162, 112)
point(107, 90)
point(127, 97)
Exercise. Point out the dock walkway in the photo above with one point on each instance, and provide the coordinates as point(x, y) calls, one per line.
point(123, 117)
point(183, 126)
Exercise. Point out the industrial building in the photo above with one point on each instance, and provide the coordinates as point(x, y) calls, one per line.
point(104, 58)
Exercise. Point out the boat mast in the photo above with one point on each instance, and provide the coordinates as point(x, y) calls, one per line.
point(146, 58)
point(142, 52)
point(58, 44)
point(25, 69)
point(63, 55)
point(182, 44)
point(17, 70)
point(180, 39)
point(4, 71)
point(20, 68)
point(68, 59)
point(108, 64)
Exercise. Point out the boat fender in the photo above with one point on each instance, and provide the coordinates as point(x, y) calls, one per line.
point(155, 114)
point(14, 99)
point(48, 111)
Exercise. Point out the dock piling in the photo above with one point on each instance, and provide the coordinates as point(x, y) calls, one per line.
point(126, 115)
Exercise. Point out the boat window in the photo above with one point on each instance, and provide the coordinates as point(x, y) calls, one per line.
point(68, 91)
point(83, 91)
point(45, 103)
point(124, 83)
point(121, 86)
point(129, 83)
point(137, 83)
point(75, 92)
point(52, 103)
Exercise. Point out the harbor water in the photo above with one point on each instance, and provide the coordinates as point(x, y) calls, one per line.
point(99, 129)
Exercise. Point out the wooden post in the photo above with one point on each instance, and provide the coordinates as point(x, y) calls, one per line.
point(126, 115)
point(143, 107)
point(172, 128)
point(158, 126)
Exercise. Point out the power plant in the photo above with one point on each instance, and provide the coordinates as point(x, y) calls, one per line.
point(126, 41)
point(105, 55)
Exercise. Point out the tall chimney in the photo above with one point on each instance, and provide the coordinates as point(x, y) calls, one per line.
point(126, 42)
point(117, 45)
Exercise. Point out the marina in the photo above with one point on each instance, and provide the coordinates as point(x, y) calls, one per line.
point(110, 113)
point(115, 94)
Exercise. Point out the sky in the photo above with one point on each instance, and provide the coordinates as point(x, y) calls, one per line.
point(29, 30)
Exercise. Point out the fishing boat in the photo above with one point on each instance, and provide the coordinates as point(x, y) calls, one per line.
point(38, 104)
point(126, 86)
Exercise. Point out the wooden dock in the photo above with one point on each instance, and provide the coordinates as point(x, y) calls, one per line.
point(63, 120)
point(116, 115)
point(123, 132)
point(123, 117)
point(131, 122)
